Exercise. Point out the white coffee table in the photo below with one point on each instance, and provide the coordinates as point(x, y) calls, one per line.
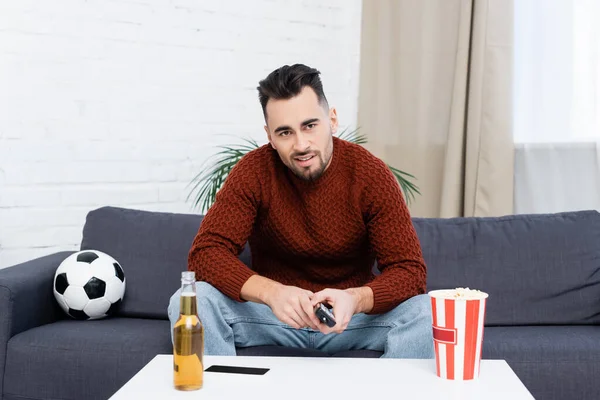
point(326, 378)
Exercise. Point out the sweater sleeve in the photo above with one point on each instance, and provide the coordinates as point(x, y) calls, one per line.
point(225, 230)
point(394, 240)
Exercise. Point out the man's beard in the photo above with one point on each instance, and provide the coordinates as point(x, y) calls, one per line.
point(309, 175)
point(312, 174)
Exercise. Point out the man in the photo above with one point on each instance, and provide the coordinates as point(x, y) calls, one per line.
point(317, 212)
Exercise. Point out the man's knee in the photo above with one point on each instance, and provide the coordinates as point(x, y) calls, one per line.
point(420, 305)
point(413, 332)
point(173, 308)
point(210, 300)
point(416, 308)
point(207, 291)
point(420, 311)
point(205, 294)
point(416, 311)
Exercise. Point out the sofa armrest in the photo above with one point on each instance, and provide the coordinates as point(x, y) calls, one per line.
point(26, 296)
point(27, 299)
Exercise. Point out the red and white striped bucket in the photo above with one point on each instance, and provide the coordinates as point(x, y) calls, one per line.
point(457, 333)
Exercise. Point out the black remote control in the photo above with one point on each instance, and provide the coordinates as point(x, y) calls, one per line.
point(325, 315)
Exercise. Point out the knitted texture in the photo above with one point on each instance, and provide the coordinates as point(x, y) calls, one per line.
point(314, 235)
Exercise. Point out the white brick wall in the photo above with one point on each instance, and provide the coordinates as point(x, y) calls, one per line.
point(109, 102)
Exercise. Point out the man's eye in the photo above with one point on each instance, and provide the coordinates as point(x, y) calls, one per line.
point(310, 126)
point(284, 133)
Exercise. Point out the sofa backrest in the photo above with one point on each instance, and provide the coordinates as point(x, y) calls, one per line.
point(538, 269)
point(152, 248)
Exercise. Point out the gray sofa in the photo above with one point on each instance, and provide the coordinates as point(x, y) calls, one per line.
point(542, 273)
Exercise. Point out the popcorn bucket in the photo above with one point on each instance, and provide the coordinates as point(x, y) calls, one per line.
point(458, 316)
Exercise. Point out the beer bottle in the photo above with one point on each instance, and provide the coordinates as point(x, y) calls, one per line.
point(188, 339)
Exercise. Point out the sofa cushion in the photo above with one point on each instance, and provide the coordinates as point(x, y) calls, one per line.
point(92, 359)
point(81, 359)
point(554, 362)
point(537, 269)
point(152, 248)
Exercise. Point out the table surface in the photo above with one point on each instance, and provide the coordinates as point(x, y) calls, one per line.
point(307, 377)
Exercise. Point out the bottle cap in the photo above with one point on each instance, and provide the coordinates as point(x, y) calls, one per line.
point(188, 276)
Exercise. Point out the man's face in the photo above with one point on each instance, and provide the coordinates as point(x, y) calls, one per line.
point(301, 129)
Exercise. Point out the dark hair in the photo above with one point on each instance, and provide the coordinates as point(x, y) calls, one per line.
point(287, 82)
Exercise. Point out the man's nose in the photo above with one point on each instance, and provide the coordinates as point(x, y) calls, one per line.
point(301, 143)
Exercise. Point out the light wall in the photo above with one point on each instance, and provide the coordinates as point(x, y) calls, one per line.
point(120, 102)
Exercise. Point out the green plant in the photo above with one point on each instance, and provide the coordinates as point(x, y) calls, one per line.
point(207, 183)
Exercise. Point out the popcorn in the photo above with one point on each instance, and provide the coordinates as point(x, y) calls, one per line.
point(466, 292)
point(460, 294)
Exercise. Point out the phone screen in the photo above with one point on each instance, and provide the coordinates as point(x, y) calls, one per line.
point(237, 370)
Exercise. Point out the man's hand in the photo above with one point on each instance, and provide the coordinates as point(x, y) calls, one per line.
point(291, 305)
point(345, 304)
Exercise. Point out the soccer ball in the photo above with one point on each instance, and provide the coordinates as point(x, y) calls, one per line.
point(89, 284)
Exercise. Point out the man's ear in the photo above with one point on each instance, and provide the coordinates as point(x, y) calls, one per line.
point(269, 137)
point(333, 120)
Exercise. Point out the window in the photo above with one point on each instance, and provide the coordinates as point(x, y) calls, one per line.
point(557, 71)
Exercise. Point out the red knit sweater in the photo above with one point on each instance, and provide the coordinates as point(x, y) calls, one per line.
point(314, 235)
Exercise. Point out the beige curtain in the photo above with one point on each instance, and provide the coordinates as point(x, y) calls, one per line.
point(436, 101)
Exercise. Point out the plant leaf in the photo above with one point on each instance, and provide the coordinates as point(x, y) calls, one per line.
point(207, 183)
point(353, 136)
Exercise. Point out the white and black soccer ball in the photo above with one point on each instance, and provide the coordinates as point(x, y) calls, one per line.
point(89, 284)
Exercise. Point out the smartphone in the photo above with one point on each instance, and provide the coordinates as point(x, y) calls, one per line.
point(325, 315)
point(228, 369)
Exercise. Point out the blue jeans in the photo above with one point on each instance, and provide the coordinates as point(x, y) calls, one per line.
point(404, 332)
